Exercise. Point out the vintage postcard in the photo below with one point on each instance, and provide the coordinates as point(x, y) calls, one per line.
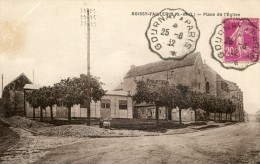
point(94, 81)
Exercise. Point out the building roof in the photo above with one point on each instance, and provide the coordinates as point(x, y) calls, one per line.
point(162, 65)
point(117, 93)
point(208, 68)
point(21, 75)
point(119, 87)
point(32, 86)
point(232, 86)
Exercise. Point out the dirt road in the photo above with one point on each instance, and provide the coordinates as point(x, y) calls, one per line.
point(231, 144)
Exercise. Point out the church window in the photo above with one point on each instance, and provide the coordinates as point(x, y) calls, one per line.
point(207, 87)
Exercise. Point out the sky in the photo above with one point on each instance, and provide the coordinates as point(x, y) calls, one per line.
point(47, 37)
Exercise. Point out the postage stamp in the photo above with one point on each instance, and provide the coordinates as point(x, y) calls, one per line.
point(235, 42)
point(241, 39)
point(173, 34)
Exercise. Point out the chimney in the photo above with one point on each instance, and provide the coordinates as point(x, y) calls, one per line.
point(132, 66)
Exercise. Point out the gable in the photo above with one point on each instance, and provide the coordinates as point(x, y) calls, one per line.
point(18, 83)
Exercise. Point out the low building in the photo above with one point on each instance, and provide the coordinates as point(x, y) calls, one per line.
point(114, 104)
point(13, 96)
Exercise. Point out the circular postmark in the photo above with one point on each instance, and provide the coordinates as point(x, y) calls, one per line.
point(173, 34)
point(235, 43)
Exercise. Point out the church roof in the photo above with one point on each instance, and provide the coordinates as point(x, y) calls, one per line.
point(162, 65)
point(232, 86)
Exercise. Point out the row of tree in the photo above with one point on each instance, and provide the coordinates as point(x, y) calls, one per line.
point(161, 94)
point(67, 92)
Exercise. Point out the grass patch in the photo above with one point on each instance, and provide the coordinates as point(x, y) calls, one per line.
point(146, 125)
point(8, 137)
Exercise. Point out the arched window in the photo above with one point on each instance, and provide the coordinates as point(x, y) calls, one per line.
point(207, 87)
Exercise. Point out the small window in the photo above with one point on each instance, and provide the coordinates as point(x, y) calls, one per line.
point(224, 86)
point(207, 87)
point(199, 85)
point(105, 104)
point(172, 73)
point(122, 104)
point(198, 71)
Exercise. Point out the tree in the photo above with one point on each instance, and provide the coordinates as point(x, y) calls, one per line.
point(181, 98)
point(226, 107)
point(72, 91)
point(31, 97)
point(42, 100)
point(51, 99)
point(155, 92)
point(207, 104)
point(215, 106)
point(218, 104)
point(68, 93)
point(37, 98)
point(196, 101)
point(232, 109)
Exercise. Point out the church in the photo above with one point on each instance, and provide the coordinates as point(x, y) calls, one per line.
point(190, 71)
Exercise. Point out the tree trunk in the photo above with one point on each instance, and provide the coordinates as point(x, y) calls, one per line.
point(195, 115)
point(69, 113)
point(170, 114)
point(214, 115)
point(166, 113)
point(51, 114)
point(88, 108)
point(33, 113)
point(239, 116)
point(230, 117)
point(219, 116)
point(226, 116)
point(41, 114)
point(180, 116)
point(207, 115)
point(157, 115)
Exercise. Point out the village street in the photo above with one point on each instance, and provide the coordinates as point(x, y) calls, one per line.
point(238, 143)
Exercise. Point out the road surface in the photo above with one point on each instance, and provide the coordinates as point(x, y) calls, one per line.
point(231, 144)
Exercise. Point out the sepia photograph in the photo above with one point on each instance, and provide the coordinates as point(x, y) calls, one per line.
point(129, 82)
